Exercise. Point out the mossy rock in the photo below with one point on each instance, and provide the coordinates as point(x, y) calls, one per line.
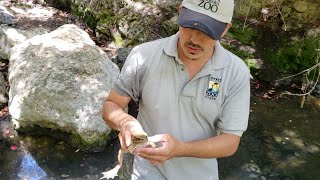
point(73, 139)
point(290, 13)
point(301, 6)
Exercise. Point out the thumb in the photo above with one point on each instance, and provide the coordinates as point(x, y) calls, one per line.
point(127, 135)
point(156, 138)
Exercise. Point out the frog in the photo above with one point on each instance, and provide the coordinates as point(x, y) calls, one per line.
point(138, 139)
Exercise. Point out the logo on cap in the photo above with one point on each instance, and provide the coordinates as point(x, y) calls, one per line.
point(212, 5)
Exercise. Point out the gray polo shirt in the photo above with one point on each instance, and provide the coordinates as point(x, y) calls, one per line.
point(215, 100)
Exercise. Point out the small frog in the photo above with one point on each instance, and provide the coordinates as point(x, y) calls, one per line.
point(138, 139)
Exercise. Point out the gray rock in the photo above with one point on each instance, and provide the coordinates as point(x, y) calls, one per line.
point(254, 63)
point(120, 56)
point(3, 89)
point(314, 32)
point(59, 81)
point(315, 88)
point(5, 16)
point(247, 49)
point(10, 37)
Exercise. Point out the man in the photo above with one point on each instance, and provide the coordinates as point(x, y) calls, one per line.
point(193, 96)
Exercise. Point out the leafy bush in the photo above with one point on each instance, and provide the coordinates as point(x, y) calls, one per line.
point(295, 56)
point(247, 35)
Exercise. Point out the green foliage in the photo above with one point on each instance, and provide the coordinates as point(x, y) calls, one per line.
point(170, 27)
point(23, 6)
point(245, 35)
point(107, 17)
point(84, 13)
point(295, 56)
point(248, 58)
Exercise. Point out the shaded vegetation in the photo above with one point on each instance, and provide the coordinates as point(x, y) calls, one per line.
point(247, 36)
point(295, 55)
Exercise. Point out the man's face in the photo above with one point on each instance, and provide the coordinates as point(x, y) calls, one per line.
point(194, 44)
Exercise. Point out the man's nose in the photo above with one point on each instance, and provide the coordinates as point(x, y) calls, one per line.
point(194, 37)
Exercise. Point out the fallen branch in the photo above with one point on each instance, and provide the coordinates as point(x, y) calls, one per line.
point(304, 94)
point(302, 72)
point(282, 18)
point(305, 85)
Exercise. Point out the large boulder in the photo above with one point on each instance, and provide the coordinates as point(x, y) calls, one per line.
point(59, 81)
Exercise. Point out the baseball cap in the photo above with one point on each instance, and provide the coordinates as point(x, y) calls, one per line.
point(208, 16)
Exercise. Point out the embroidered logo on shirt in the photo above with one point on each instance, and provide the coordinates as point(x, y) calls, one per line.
point(213, 88)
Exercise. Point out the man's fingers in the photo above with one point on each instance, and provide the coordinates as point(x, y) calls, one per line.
point(161, 151)
point(150, 158)
point(122, 145)
point(127, 137)
point(156, 163)
point(154, 154)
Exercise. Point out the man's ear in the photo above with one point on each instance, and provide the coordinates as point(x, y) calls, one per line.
point(226, 29)
point(180, 7)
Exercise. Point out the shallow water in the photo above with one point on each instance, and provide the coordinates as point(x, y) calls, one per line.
point(282, 142)
point(43, 157)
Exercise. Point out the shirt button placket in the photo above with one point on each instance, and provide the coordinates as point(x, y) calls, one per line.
point(185, 78)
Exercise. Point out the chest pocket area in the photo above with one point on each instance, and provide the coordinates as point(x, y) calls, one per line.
point(208, 105)
point(211, 109)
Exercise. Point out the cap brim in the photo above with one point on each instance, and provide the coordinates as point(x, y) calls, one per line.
point(208, 25)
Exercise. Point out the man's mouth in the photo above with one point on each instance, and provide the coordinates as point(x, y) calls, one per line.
point(192, 49)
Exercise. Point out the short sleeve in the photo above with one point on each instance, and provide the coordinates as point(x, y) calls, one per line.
point(128, 82)
point(234, 113)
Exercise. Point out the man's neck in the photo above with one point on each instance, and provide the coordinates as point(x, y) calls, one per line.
point(194, 66)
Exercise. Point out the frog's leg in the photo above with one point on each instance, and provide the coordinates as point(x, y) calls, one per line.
point(113, 172)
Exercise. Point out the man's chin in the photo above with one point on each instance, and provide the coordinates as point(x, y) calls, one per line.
point(193, 56)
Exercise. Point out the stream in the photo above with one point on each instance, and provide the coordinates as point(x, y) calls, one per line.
point(282, 142)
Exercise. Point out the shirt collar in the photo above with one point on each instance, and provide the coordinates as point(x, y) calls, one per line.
point(171, 48)
point(219, 59)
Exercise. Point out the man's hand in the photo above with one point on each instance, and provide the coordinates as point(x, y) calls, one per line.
point(214, 147)
point(171, 148)
point(126, 129)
